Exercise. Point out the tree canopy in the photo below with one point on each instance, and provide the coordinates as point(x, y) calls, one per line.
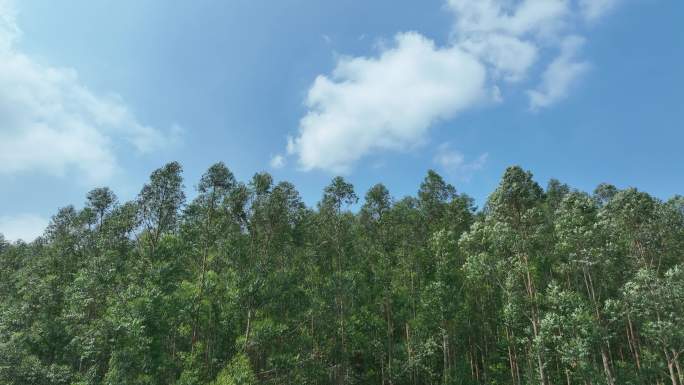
point(245, 284)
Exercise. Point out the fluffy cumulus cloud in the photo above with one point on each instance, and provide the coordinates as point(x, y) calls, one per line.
point(389, 101)
point(509, 57)
point(510, 18)
point(505, 34)
point(52, 123)
point(385, 102)
point(26, 227)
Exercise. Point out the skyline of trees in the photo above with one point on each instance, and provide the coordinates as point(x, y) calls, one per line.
point(245, 284)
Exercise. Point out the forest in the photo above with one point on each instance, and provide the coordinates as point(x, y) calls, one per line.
point(245, 284)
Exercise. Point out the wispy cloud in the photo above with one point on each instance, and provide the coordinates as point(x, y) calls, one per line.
point(560, 75)
point(454, 163)
point(595, 9)
point(26, 227)
point(50, 122)
point(277, 162)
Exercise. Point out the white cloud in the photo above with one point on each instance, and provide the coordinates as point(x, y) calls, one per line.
point(388, 102)
point(509, 56)
point(594, 9)
point(385, 102)
point(9, 31)
point(513, 18)
point(506, 34)
point(453, 162)
point(560, 75)
point(26, 227)
point(51, 123)
point(278, 161)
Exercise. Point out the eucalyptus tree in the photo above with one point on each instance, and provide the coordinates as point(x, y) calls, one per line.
point(515, 209)
point(276, 298)
point(555, 192)
point(491, 303)
point(205, 223)
point(604, 192)
point(380, 262)
point(101, 201)
point(632, 218)
point(631, 221)
point(248, 285)
point(446, 215)
point(159, 202)
point(657, 303)
point(588, 260)
point(141, 339)
point(567, 331)
point(334, 251)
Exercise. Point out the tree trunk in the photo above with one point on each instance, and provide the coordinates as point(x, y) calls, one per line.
point(679, 369)
point(512, 359)
point(388, 319)
point(410, 353)
point(445, 356)
point(535, 319)
point(589, 284)
point(673, 377)
point(249, 320)
point(671, 367)
point(606, 367)
point(633, 342)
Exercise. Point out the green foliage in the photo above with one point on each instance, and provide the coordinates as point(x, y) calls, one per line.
point(246, 285)
point(237, 372)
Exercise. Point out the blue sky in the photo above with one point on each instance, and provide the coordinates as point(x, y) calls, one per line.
point(97, 93)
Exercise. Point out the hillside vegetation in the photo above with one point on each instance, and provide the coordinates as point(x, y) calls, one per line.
point(246, 285)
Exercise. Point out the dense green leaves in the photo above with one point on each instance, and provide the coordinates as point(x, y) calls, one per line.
point(246, 285)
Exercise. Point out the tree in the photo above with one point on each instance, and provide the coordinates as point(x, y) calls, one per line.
point(515, 209)
point(658, 304)
point(247, 285)
point(585, 256)
point(101, 201)
point(159, 202)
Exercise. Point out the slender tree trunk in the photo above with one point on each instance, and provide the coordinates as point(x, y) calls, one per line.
point(205, 253)
point(606, 367)
point(511, 357)
point(670, 368)
point(535, 319)
point(470, 358)
point(445, 356)
point(517, 365)
point(410, 354)
point(388, 318)
point(633, 342)
point(675, 358)
point(247, 330)
point(605, 358)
